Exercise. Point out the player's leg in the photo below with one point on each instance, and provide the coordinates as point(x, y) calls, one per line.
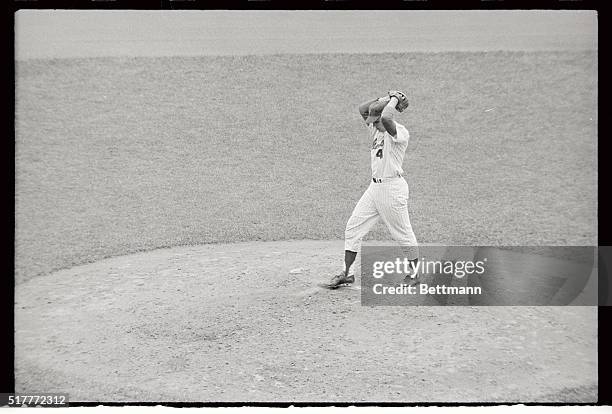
point(349, 259)
point(364, 216)
point(362, 219)
point(393, 208)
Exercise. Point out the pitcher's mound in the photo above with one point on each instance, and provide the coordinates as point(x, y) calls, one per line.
point(247, 322)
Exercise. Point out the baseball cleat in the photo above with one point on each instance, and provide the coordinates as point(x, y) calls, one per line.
point(341, 280)
point(412, 280)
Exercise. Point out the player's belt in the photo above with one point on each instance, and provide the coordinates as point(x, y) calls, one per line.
point(385, 179)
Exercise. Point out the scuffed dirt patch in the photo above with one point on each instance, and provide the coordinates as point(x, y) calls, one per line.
point(232, 322)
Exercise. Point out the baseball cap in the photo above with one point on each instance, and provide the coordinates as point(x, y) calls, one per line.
point(375, 111)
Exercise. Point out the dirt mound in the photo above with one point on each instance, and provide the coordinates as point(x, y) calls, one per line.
point(246, 322)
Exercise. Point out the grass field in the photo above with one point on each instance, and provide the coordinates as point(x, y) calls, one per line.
point(117, 155)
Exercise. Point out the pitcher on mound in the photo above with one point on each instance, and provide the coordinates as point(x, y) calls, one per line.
point(387, 195)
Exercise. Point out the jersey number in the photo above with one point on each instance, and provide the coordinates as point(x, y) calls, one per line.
point(379, 153)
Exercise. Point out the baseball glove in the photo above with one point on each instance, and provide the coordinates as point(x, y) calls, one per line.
point(402, 100)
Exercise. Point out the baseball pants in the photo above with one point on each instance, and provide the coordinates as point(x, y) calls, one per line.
point(389, 201)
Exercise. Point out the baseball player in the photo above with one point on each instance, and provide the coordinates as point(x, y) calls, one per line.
point(387, 195)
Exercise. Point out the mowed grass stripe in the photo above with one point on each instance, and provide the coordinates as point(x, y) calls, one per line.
point(117, 155)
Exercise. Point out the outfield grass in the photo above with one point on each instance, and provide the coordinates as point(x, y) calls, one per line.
point(117, 155)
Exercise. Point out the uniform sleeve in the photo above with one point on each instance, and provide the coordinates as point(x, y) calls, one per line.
point(402, 134)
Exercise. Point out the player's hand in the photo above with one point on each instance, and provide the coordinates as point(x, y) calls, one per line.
point(402, 100)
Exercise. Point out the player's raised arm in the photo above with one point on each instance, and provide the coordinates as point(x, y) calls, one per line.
point(387, 117)
point(398, 101)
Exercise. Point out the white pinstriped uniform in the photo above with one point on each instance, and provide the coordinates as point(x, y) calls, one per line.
point(388, 199)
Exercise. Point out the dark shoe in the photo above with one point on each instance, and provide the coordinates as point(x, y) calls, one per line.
point(412, 280)
point(342, 279)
